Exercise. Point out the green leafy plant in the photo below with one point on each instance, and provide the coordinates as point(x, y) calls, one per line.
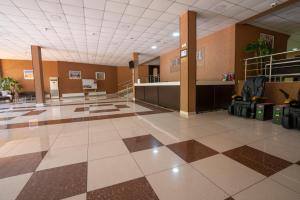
point(10, 84)
point(259, 48)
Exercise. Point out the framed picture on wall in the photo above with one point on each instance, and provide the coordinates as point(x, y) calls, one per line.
point(74, 74)
point(268, 38)
point(28, 74)
point(100, 76)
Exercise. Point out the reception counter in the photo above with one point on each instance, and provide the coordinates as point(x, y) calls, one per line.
point(210, 95)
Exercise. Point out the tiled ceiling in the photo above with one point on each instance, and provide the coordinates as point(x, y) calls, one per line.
point(108, 31)
point(286, 20)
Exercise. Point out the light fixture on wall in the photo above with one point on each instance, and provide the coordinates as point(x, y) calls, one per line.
point(154, 47)
point(175, 34)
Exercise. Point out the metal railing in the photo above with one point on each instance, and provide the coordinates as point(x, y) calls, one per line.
point(150, 79)
point(125, 89)
point(276, 67)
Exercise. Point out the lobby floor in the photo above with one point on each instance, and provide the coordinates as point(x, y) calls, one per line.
point(111, 149)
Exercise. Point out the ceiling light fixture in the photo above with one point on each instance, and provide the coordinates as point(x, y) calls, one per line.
point(175, 34)
point(154, 47)
point(55, 17)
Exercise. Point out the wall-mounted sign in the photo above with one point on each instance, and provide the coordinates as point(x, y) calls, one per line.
point(183, 53)
point(74, 74)
point(100, 76)
point(201, 57)
point(175, 65)
point(269, 39)
point(28, 74)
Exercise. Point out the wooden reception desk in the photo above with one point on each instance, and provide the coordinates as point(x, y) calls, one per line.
point(210, 95)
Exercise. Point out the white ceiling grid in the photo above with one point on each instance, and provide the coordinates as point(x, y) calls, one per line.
point(108, 31)
point(286, 20)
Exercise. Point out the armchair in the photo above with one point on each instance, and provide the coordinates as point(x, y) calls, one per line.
point(291, 114)
point(252, 94)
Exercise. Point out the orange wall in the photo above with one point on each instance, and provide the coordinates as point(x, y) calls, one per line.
point(67, 85)
point(14, 68)
point(165, 63)
point(218, 49)
point(248, 33)
point(123, 75)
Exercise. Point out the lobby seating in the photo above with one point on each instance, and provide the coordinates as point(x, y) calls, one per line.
point(291, 114)
point(4, 95)
point(252, 94)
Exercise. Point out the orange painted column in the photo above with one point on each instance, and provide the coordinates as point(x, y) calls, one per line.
point(188, 65)
point(38, 75)
point(134, 71)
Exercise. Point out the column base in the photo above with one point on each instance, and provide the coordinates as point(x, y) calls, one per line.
point(186, 114)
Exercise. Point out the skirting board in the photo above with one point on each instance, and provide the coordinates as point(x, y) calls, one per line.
point(97, 93)
point(73, 95)
point(66, 95)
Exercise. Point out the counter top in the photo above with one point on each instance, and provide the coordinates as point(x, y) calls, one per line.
point(215, 83)
point(178, 83)
point(158, 84)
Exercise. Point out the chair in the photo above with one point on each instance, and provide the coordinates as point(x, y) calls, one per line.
point(291, 114)
point(252, 94)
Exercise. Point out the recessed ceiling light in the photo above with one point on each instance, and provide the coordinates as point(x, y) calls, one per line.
point(175, 34)
point(55, 17)
point(154, 47)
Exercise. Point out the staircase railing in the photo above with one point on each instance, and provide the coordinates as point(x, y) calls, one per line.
point(125, 88)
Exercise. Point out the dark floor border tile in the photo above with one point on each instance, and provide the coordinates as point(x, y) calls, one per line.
point(20, 164)
point(56, 183)
point(34, 112)
point(105, 110)
point(257, 160)
point(137, 189)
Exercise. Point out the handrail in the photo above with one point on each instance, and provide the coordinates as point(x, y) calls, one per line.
point(267, 64)
point(275, 54)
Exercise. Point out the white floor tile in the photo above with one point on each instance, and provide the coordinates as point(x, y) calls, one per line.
point(227, 173)
point(110, 171)
point(157, 159)
point(267, 190)
point(184, 183)
point(10, 187)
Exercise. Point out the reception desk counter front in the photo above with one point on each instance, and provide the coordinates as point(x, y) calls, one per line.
point(210, 95)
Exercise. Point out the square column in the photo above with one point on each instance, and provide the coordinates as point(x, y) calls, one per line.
point(38, 75)
point(188, 65)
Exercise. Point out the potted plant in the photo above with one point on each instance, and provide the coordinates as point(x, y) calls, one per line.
point(11, 85)
point(260, 48)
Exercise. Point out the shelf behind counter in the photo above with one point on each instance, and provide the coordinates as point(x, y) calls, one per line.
point(210, 95)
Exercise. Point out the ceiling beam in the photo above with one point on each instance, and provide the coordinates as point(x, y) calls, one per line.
point(269, 11)
point(148, 61)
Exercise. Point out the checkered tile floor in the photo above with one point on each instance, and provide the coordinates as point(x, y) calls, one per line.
point(212, 156)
